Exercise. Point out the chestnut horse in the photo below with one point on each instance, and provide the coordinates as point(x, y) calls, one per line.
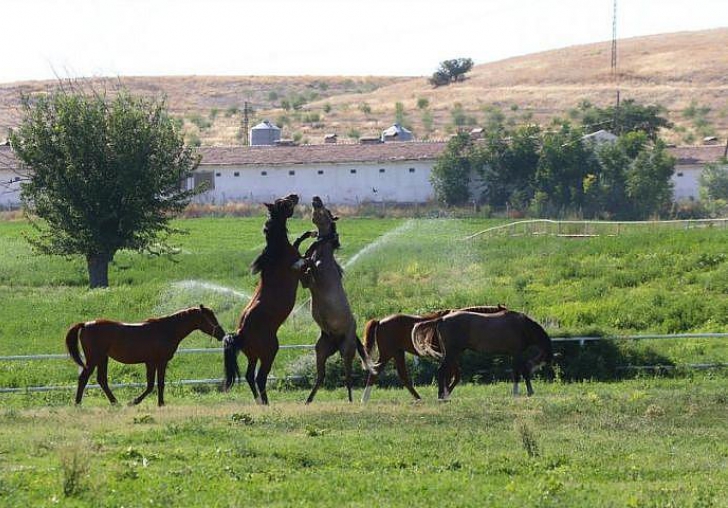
point(279, 266)
point(507, 332)
point(329, 304)
point(393, 337)
point(152, 342)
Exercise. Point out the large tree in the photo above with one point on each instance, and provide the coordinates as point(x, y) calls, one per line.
point(451, 71)
point(105, 173)
point(450, 176)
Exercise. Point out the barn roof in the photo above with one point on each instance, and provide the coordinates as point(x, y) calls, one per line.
point(343, 153)
point(316, 154)
point(701, 154)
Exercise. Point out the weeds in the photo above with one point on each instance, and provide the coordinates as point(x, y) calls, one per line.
point(75, 464)
point(528, 438)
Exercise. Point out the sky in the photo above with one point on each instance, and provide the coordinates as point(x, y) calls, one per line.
point(45, 39)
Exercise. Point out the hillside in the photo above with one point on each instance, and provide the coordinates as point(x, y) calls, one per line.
point(685, 72)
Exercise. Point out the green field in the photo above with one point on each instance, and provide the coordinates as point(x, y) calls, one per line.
point(639, 442)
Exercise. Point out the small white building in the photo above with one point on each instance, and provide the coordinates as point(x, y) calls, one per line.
point(10, 177)
point(339, 173)
point(689, 164)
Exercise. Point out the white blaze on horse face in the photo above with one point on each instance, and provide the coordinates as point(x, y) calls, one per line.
point(367, 393)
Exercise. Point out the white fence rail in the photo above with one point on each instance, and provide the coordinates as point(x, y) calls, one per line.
point(191, 382)
point(591, 227)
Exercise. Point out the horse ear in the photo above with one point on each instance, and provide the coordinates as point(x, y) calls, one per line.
point(334, 218)
point(202, 306)
point(269, 206)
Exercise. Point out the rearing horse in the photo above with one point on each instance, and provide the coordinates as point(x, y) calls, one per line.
point(279, 266)
point(329, 304)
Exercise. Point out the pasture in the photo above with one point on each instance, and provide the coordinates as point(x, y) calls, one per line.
point(639, 442)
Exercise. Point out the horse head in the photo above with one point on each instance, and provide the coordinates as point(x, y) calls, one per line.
point(209, 324)
point(325, 222)
point(282, 208)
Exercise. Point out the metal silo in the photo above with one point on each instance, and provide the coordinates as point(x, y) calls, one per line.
point(265, 133)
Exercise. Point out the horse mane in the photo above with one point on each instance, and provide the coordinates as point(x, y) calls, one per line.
point(435, 314)
point(486, 309)
point(272, 229)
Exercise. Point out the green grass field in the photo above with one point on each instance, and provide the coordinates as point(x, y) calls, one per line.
point(640, 442)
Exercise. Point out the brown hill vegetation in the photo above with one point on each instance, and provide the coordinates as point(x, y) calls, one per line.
point(685, 72)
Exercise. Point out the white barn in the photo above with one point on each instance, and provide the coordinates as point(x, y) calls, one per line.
point(690, 161)
point(339, 173)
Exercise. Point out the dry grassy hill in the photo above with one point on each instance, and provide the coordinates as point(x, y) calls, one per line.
point(685, 72)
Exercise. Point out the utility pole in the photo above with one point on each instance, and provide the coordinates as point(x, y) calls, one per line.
point(247, 110)
point(615, 74)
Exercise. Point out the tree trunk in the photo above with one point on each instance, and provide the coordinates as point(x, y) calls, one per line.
point(98, 270)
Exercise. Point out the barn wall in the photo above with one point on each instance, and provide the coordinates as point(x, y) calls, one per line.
point(9, 192)
point(686, 182)
point(405, 182)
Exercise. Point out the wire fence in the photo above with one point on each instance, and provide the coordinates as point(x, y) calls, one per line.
point(193, 382)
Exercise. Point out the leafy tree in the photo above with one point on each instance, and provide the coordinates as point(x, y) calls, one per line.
point(629, 117)
point(451, 71)
point(400, 116)
point(105, 174)
point(450, 176)
point(714, 181)
point(564, 164)
point(649, 188)
point(508, 162)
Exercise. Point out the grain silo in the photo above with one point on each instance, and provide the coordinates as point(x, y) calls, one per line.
point(265, 133)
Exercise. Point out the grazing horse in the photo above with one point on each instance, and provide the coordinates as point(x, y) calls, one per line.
point(507, 332)
point(279, 266)
point(152, 342)
point(329, 304)
point(393, 338)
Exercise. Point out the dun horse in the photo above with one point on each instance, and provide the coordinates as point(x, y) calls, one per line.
point(393, 338)
point(329, 304)
point(506, 332)
point(152, 342)
point(279, 265)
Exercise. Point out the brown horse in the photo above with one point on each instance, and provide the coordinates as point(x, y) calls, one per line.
point(279, 265)
point(329, 304)
point(393, 338)
point(507, 332)
point(152, 342)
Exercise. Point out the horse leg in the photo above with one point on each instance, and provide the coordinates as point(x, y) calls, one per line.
point(527, 377)
point(324, 349)
point(161, 371)
point(404, 375)
point(83, 380)
point(517, 368)
point(102, 378)
point(250, 376)
point(455, 379)
point(347, 357)
point(372, 378)
point(151, 369)
point(261, 379)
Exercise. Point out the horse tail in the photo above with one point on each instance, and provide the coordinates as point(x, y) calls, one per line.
point(426, 339)
point(370, 335)
point(230, 353)
point(72, 338)
point(542, 341)
point(366, 361)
